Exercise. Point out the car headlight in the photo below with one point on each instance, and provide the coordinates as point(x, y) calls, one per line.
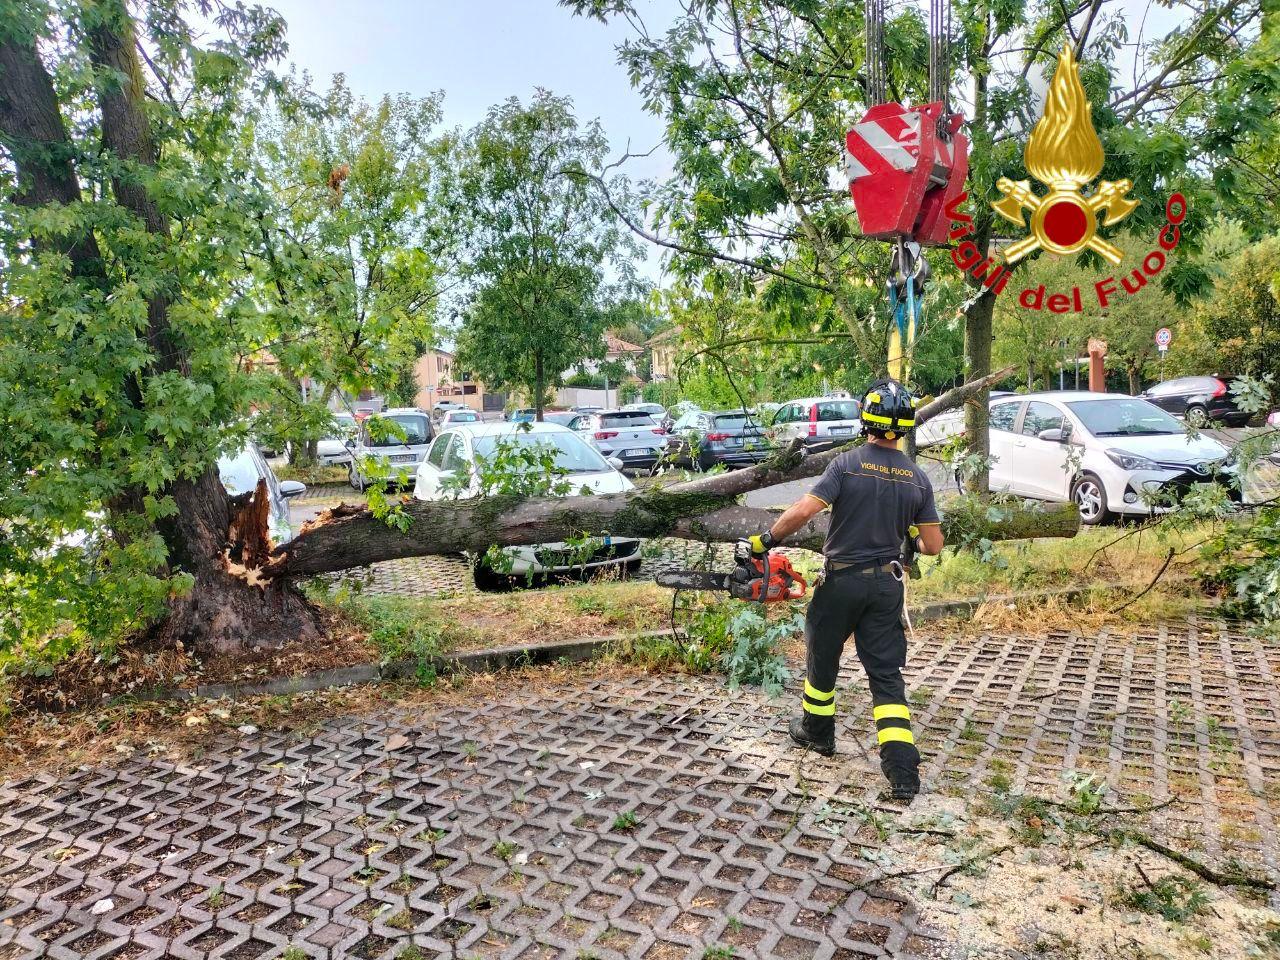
point(1131, 461)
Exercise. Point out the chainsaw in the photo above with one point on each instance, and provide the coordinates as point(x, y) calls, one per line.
point(762, 578)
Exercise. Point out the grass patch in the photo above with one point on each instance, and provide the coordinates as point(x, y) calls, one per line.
point(1055, 562)
point(409, 627)
point(1175, 898)
point(312, 476)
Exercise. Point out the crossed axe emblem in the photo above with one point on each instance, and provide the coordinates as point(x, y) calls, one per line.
point(1063, 221)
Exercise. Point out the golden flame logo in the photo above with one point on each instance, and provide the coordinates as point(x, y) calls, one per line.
point(1064, 153)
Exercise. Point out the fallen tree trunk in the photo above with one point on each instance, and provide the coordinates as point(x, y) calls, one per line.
point(352, 537)
point(702, 509)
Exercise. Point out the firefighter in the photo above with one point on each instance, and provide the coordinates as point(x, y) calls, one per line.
point(877, 497)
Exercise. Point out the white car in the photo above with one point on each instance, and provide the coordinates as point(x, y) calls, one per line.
point(632, 436)
point(1131, 454)
point(461, 417)
point(335, 451)
point(451, 470)
point(655, 410)
point(375, 443)
point(817, 420)
point(948, 424)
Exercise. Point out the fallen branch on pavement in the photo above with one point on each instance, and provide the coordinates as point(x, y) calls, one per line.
point(1235, 878)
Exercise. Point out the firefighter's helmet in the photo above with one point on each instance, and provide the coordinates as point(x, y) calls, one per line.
point(888, 409)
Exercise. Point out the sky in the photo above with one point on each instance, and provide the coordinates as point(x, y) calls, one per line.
point(480, 52)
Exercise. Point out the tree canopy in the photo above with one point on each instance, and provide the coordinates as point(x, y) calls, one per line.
point(540, 239)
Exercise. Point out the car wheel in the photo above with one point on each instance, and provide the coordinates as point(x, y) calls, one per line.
point(1197, 415)
point(1091, 500)
point(354, 478)
point(487, 580)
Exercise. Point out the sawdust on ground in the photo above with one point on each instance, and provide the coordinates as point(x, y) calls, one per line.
point(1063, 899)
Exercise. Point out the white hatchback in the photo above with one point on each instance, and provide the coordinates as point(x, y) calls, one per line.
point(1109, 453)
point(453, 469)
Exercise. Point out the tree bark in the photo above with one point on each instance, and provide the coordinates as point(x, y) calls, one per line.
point(539, 384)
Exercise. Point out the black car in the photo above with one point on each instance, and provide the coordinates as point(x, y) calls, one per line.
point(705, 439)
point(1198, 399)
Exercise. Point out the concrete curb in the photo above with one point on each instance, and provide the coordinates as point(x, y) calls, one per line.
point(507, 658)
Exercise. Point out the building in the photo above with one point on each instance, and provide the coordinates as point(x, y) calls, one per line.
point(438, 379)
point(663, 349)
point(616, 349)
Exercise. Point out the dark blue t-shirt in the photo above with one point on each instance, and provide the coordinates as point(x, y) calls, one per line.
point(875, 494)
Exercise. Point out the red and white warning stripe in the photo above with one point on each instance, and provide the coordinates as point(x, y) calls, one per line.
point(886, 143)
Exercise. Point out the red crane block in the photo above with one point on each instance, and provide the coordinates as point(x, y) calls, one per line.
point(951, 168)
point(901, 171)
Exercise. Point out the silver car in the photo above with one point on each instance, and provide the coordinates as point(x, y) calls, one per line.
point(398, 454)
point(240, 472)
point(818, 420)
point(631, 436)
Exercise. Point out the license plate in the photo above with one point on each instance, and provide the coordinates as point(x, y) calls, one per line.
point(641, 452)
point(840, 430)
point(733, 442)
point(402, 458)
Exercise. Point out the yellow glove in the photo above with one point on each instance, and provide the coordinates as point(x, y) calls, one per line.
point(760, 542)
point(914, 531)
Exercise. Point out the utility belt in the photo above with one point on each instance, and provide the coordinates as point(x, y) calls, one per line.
point(865, 567)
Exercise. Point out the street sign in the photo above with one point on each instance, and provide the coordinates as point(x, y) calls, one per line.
point(1163, 336)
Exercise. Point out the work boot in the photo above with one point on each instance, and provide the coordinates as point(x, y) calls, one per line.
point(814, 733)
point(900, 763)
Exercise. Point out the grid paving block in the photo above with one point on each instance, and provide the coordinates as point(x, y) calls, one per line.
point(622, 817)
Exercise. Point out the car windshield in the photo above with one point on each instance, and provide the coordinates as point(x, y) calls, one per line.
point(1116, 417)
point(571, 452)
point(239, 472)
point(734, 421)
point(457, 417)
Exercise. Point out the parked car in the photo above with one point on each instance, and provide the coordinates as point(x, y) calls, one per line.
point(455, 418)
point(818, 420)
point(1133, 457)
point(240, 473)
point(563, 418)
point(335, 450)
point(445, 406)
point(655, 410)
point(450, 470)
point(702, 440)
point(631, 436)
point(948, 424)
point(375, 442)
point(1198, 400)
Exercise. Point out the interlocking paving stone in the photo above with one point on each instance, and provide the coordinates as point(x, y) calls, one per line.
point(490, 831)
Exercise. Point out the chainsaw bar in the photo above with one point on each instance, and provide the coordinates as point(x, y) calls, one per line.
point(693, 580)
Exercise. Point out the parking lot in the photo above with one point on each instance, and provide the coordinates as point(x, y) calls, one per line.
point(651, 816)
